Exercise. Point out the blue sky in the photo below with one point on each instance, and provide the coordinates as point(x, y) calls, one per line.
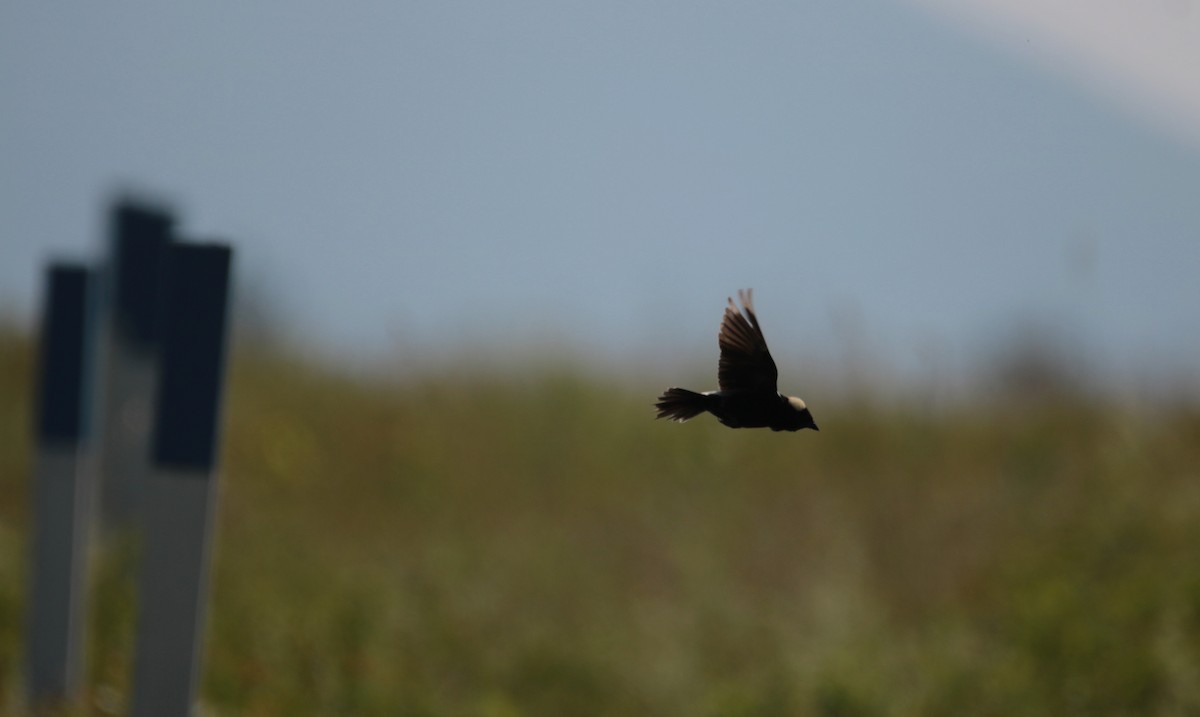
point(415, 178)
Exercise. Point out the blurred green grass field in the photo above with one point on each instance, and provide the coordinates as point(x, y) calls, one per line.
point(476, 545)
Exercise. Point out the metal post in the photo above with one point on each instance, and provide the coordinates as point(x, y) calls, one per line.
point(182, 482)
point(60, 496)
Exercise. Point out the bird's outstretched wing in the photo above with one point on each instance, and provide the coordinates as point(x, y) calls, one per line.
point(746, 364)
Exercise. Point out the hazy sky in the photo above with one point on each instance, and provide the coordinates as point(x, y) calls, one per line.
point(416, 176)
point(1141, 56)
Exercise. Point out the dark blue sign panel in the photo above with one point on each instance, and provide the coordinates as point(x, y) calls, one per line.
point(62, 380)
point(192, 344)
point(140, 237)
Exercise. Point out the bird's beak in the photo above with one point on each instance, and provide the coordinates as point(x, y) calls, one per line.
point(814, 426)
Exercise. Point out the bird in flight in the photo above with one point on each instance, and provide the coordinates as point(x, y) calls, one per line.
point(746, 375)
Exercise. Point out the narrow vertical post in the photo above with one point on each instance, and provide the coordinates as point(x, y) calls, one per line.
point(130, 316)
point(182, 483)
point(60, 515)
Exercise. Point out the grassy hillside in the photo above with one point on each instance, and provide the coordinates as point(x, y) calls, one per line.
point(480, 546)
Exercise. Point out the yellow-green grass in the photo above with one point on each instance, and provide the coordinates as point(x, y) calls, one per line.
point(486, 545)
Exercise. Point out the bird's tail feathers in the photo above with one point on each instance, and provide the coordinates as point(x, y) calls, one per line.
point(680, 404)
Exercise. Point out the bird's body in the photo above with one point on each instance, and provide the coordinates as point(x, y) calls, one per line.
point(748, 397)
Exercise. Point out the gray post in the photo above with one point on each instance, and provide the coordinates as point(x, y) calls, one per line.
point(182, 483)
point(60, 515)
point(129, 357)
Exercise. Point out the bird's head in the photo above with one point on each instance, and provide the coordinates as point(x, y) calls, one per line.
point(800, 418)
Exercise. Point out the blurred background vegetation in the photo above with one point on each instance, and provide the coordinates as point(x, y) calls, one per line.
point(531, 542)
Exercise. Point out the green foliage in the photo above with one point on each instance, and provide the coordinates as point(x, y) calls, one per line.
point(482, 546)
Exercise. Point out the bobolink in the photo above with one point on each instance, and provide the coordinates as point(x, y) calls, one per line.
point(747, 376)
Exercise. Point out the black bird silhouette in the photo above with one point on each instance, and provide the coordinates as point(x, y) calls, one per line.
point(747, 376)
